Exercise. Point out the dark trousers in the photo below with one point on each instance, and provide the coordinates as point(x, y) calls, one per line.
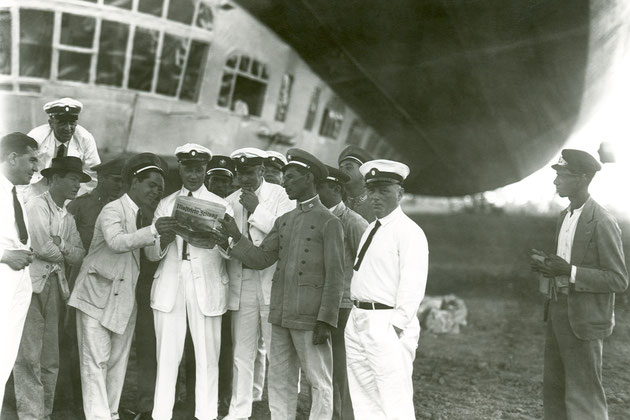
point(572, 381)
point(342, 405)
point(226, 356)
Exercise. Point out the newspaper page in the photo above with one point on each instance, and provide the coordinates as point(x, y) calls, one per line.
point(196, 218)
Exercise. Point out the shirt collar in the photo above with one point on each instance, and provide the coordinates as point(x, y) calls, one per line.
point(195, 194)
point(577, 211)
point(52, 203)
point(307, 205)
point(338, 209)
point(5, 183)
point(131, 203)
point(391, 216)
point(58, 143)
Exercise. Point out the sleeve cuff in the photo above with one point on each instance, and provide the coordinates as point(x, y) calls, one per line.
point(154, 231)
point(573, 274)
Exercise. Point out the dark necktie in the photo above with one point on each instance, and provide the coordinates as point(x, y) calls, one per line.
point(367, 243)
point(61, 150)
point(19, 218)
point(140, 225)
point(184, 243)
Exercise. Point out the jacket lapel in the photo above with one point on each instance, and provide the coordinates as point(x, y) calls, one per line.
point(583, 232)
point(130, 227)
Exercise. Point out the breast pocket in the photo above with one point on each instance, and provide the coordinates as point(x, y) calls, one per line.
point(309, 294)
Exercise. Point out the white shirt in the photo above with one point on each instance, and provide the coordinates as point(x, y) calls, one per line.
point(9, 233)
point(566, 235)
point(81, 145)
point(394, 269)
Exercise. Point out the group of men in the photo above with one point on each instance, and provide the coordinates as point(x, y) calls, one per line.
point(314, 268)
point(316, 289)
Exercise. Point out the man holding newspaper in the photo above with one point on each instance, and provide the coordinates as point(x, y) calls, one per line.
point(190, 285)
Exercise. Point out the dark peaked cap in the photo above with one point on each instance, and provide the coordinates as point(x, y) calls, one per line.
point(356, 154)
point(143, 162)
point(302, 158)
point(221, 165)
point(577, 162)
point(111, 167)
point(335, 175)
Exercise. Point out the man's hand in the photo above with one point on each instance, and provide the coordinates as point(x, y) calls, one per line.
point(249, 200)
point(220, 237)
point(165, 225)
point(17, 259)
point(56, 240)
point(321, 333)
point(166, 239)
point(552, 266)
point(229, 228)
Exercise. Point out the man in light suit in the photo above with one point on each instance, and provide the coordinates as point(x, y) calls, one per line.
point(584, 276)
point(105, 290)
point(190, 284)
point(18, 163)
point(257, 205)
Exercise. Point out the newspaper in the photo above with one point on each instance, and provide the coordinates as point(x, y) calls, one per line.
point(196, 219)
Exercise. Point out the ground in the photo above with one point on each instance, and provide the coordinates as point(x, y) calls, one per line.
point(493, 368)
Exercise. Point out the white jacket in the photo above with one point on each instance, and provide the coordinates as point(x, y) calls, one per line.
point(208, 265)
point(273, 202)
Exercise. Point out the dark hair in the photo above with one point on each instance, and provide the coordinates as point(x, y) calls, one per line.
point(18, 143)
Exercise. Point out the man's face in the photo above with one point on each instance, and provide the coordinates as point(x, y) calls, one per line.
point(63, 129)
point(149, 190)
point(295, 182)
point(23, 166)
point(567, 183)
point(250, 177)
point(111, 184)
point(221, 185)
point(351, 168)
point(68, 185)
point(273, 175)
point(328, 193)
point(193, 174)
point(384, 198)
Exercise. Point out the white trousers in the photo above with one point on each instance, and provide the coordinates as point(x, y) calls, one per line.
point(103, 357)
point(247, 323)
point(380, 365)
point(291, 349)
point(170, 335)
point(15, 298)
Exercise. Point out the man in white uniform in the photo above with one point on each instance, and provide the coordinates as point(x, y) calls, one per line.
point(390, 275)
point(257, 205)
point(190, 285)
point(18, 162)
point(63, 136)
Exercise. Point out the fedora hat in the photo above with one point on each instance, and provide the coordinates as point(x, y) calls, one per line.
point(67, 164)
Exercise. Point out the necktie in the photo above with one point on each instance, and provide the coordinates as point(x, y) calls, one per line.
point(139, 220)
point(184, 243)
point(19, 218)
point(365, 246)
point(61, 150)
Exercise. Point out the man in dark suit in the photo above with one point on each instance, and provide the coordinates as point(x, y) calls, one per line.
point(584, 276)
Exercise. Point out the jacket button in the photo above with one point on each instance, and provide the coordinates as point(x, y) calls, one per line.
point(312, 227)
point(308, 239)
point(121, 279)
point(306, 250)
point(300, 273)
point(303, 262)
point(47, 266)
point(115, 294)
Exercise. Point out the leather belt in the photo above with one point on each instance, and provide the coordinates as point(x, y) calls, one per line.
point(370, 305)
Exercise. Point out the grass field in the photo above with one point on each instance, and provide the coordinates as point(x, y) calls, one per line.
point(493, 368)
